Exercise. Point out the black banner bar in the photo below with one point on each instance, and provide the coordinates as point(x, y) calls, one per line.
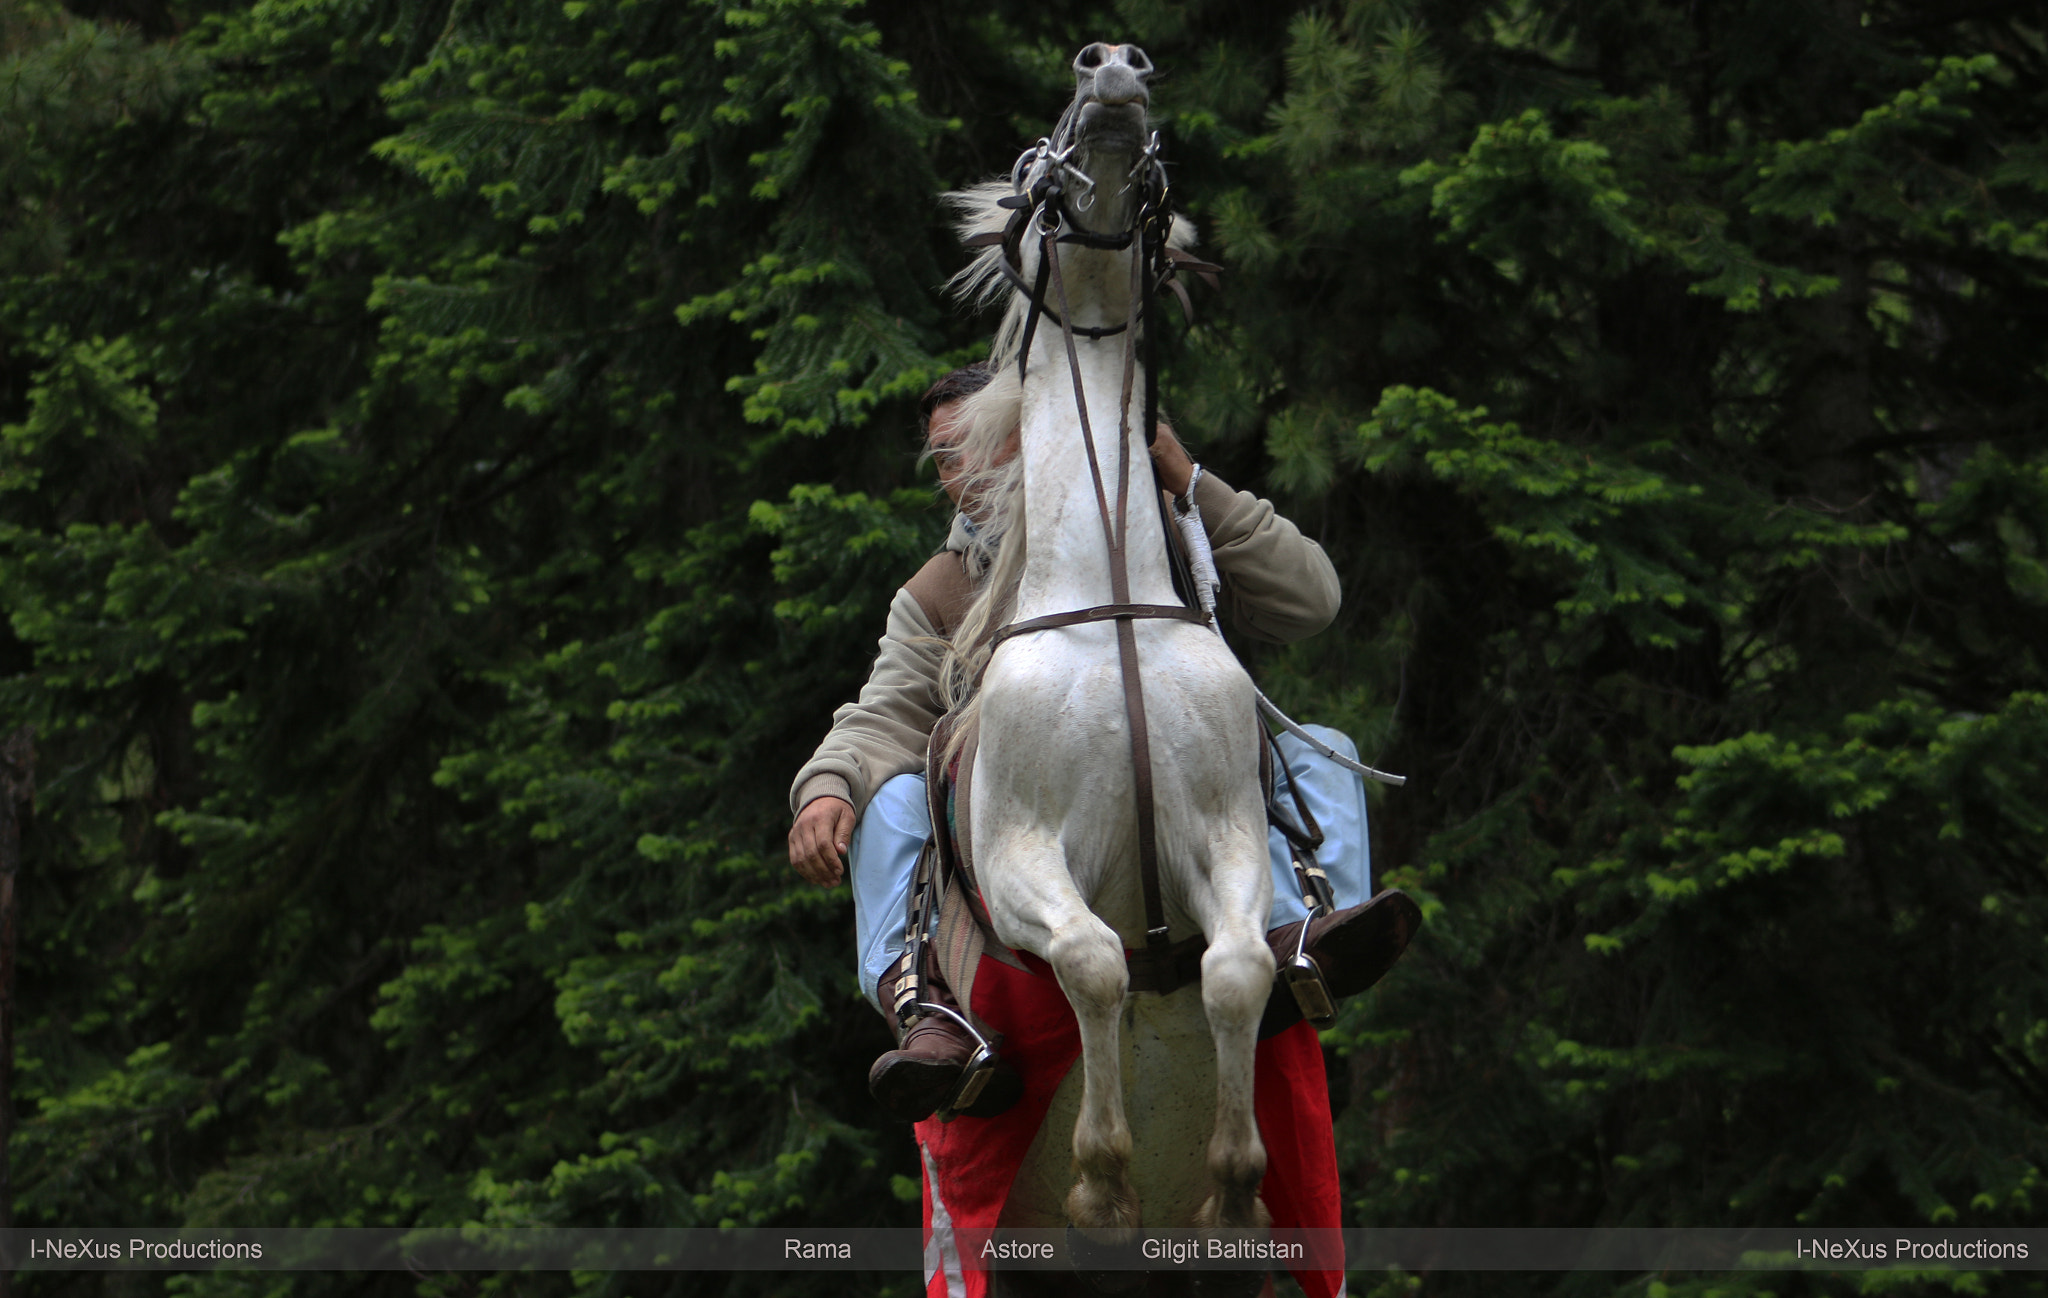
point(898, 1250)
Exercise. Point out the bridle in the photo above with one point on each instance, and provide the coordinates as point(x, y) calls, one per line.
point(1041, 178)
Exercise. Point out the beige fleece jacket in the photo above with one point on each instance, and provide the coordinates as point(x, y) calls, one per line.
point(1278, 586)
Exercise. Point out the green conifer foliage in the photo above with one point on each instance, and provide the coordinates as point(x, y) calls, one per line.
point(454, 456)
point(1656, 400)
point(407, 579)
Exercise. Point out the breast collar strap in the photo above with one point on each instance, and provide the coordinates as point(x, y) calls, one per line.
point(1100, 613)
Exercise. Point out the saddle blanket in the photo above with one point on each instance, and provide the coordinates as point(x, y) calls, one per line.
point(970, 1163)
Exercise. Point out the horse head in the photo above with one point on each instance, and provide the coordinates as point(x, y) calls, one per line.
point(1101, 138)
point(1092, 178)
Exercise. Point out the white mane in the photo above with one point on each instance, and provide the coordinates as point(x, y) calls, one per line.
point(990, 418)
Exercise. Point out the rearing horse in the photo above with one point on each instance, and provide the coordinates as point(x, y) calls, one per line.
point(1056, 815)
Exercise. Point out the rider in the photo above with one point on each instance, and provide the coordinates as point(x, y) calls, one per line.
point(1278, 586)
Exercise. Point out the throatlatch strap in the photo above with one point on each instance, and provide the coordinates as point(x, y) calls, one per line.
point(1037, 305)
point(1094, 333)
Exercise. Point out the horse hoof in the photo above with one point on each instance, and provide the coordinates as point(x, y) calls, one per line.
point(1090, 1256)
point(1210, 1216)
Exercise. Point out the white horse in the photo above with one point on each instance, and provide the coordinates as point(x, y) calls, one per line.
point(1052, 822)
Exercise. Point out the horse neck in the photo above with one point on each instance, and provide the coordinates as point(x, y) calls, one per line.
point(1067, 563)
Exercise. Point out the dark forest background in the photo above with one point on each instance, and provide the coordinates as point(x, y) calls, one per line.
point(455, 454)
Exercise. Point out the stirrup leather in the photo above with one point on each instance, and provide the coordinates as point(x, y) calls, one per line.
point(1303, 976)
point(911, 996)
point(904, 995)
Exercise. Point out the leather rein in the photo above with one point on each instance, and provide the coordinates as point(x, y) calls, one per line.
point(1152, 266)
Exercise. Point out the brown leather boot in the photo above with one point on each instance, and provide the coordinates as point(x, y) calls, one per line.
point(924, 1070)
point(1353, 947)
point(914, 1078)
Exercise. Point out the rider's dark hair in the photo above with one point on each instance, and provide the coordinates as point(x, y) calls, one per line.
point(963, 382)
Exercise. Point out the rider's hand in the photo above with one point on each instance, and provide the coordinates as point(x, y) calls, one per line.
point(819, 838)
point(1171, 459)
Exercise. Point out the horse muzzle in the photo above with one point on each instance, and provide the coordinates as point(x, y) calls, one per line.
point(1112, 76)
point(1111, 128)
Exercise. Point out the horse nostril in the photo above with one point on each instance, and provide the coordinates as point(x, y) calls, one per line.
point(1089, 58)
point(1136, 58)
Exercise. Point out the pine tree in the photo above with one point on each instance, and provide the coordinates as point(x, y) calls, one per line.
point(1662, 379)
point(411, 571)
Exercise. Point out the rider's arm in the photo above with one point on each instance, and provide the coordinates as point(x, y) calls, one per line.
point(1278, 585)
point(883, 733)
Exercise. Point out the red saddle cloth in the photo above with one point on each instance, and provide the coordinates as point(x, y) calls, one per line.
point(970, 1163)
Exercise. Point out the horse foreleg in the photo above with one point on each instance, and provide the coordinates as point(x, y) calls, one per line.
point(1237, 976)
point(1088, 958)
point(1036, 906)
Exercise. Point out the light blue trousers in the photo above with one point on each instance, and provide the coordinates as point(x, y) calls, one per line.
point(891, 833)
